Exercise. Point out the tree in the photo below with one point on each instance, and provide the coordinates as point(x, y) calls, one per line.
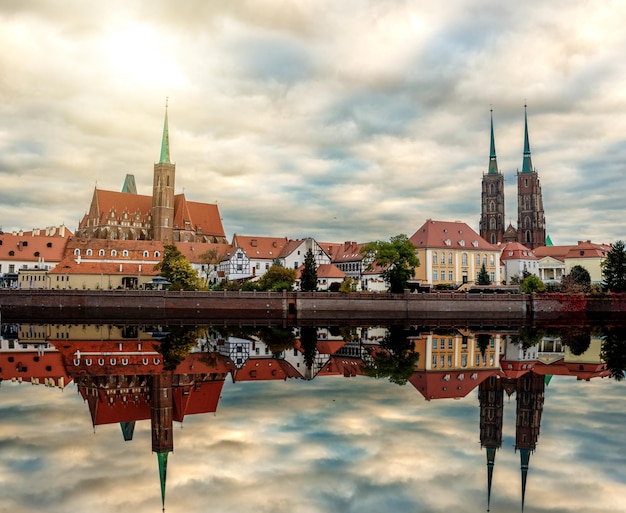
point(211, 257)
point(614, 268)
point(308, 278)
point(278, 278)
point(398, 259)
point(532, 284)
point(347, 285)
point(483, 277)
point(578, 280)
point(176, 269)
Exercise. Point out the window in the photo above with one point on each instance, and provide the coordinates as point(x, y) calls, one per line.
point(450, 343)
point(113, 253)
point(464, 360)
point(434, 362)
point(267, 266)
point(435, 275)
point(435, 340)
point(157, 254)
point(477, 259)
point(77, 252)
point(449, 360)
point(450, 275)
point(101, 252)
point(125, 253)
point(434, 257)
point(464, 259)
point(89, 252)
point(145, 254)
point(493, 276)
point(443, 257)
point(450, 258)
point(442, 361)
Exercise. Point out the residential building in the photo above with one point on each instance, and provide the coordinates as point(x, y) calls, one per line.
point(294, 252)
point(450, 252)
point(327, 274)
point(251, 256)
point(518, 259)
point(557, 261)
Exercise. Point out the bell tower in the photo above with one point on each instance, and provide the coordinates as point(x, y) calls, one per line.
point(531, 223)
point(492, 200)
point(163, 191)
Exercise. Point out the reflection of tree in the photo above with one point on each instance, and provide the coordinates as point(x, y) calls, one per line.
point(276, 339)
point(397, 358)
point(483, 340)
point(177, 345)
point(613, 352)
point(308, 341)
point(577, 339)
point(528, 336)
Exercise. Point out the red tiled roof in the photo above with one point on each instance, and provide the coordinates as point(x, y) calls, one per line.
point(590, 249)
point(25, 245)
point(324, 271)
point(193, 251)
point(205, 216)
point(449, 235)
point(121, 201)
point(517, 251)
point(260, 247)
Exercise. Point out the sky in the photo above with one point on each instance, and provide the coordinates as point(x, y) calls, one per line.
point(351, 120)
point(331, 445)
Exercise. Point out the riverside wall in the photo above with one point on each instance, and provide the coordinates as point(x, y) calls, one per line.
point(276, 307)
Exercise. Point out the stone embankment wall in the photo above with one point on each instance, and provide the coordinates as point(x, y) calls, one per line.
point(266, 306)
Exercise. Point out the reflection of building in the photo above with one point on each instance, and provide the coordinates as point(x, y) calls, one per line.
point(490, 396)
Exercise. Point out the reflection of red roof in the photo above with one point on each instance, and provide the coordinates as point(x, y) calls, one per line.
point(266, 369)
point(200, 397)
point(560, 368)
point(448, 384)
point(329, 346)
point(342, 366)
point(516, 369)
point(33, 367)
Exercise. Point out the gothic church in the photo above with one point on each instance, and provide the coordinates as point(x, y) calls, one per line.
point(531, 224)
point(164, 216)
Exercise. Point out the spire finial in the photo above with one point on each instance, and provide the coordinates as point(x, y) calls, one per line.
point(493, 163)
point(527, 165)
point(165, 142)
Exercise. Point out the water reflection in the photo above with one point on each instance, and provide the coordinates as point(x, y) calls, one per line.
point(162, 374)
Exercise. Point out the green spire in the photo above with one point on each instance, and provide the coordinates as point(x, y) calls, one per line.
point(162, 457)
point(527, 166)
point(491, 457)
point(165, 143)
point(549, 241)
point(493, 163)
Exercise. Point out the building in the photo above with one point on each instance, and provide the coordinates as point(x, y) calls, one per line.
point(558, 261)
point(164, 216)
point(250, 257)
point(531, 224)
point(450, 252)
point(517, 259)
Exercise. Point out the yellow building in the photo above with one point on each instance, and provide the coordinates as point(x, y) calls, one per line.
point(453, 253)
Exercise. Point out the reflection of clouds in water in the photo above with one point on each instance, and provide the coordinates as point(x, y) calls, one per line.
point(329, 445)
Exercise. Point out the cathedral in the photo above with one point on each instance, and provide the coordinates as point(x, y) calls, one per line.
point(531, 224)
point(165, 216)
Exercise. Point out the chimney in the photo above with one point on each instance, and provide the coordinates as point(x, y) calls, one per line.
point(253, 243)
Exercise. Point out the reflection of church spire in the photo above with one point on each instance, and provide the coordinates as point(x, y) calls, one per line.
point(161, 414)
point(128, 429)
point(530, 393)
point(490, 396)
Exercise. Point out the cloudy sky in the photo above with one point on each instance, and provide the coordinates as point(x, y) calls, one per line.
point(331, 445)
point(351, 120)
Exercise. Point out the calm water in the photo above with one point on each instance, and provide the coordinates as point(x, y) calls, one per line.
point(289, 420)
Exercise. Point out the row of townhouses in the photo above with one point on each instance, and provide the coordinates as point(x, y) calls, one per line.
point(449, 253)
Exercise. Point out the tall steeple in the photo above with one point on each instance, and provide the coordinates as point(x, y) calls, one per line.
point(527, 165)
point(493, 163)
point(165, 142)
point(492, 200)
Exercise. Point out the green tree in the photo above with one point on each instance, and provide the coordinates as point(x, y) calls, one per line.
point(278, 278)
point(211, 257)
point(532, 284)
point(614, 268)
point(397, 258)
point(308, 278)
point(483, 277)
point(397, 358)
point(176, 268)
point(347, 285)
point(578, 280)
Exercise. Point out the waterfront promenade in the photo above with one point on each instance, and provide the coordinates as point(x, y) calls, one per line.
point(278, 307)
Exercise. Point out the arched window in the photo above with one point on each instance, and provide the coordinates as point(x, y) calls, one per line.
point(493, 224)
point(77, 252)
point(450, 258)
point(493, 238)
point(443, 257)
point(101, 252)
point(464, 259)
point(477, 258)
point(89, 252)
point(125, 253)
point(527, 222)
point(146, 254)
point(492, 189)
point(157, 254)
point(434, 257)
point(113, 253)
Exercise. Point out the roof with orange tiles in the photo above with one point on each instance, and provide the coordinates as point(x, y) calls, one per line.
point(517, 251)
point(590, 249)
point(348, 252)
point(70, 266)
point(47, 245)
point(324, 271)
point(449, 235)
point(260, 247)
point(204, 216)
point(194, 251)
point(121, 201)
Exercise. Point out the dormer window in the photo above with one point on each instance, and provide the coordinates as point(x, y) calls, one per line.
point(113, 253)
point(157, 254)
point(146, 254)
point(77, 252)
point(125, 253)
point(89, 252)
point(101, 252)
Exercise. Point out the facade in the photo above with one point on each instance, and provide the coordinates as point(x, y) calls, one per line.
point(452, 253)
point(35, 250)
point(250, 257)
point(327, 274)
point(517, 259)
point(293, 253)
point(164, 216)
point(492, 199)
point(558, 261)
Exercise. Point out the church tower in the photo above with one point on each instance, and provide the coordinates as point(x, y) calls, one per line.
point(492, 204)
point(531, 224)
point(163, 192)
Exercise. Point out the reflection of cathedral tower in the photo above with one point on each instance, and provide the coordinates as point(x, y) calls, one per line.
point(490, 396)
point(530, 394)
point(531, 224)
point(162, 417)
point(163, 192)
point(492, 204)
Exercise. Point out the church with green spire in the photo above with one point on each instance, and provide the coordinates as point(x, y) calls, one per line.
point(531, 226)
point(163, 216)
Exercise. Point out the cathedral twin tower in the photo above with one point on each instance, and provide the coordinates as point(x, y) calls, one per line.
point(531, 224)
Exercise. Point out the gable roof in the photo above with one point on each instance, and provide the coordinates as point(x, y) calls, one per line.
point(449, 235)
point(35, 245)
point(517, 251)
point(589, 249)
point(260, 247)
point(201, 216)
